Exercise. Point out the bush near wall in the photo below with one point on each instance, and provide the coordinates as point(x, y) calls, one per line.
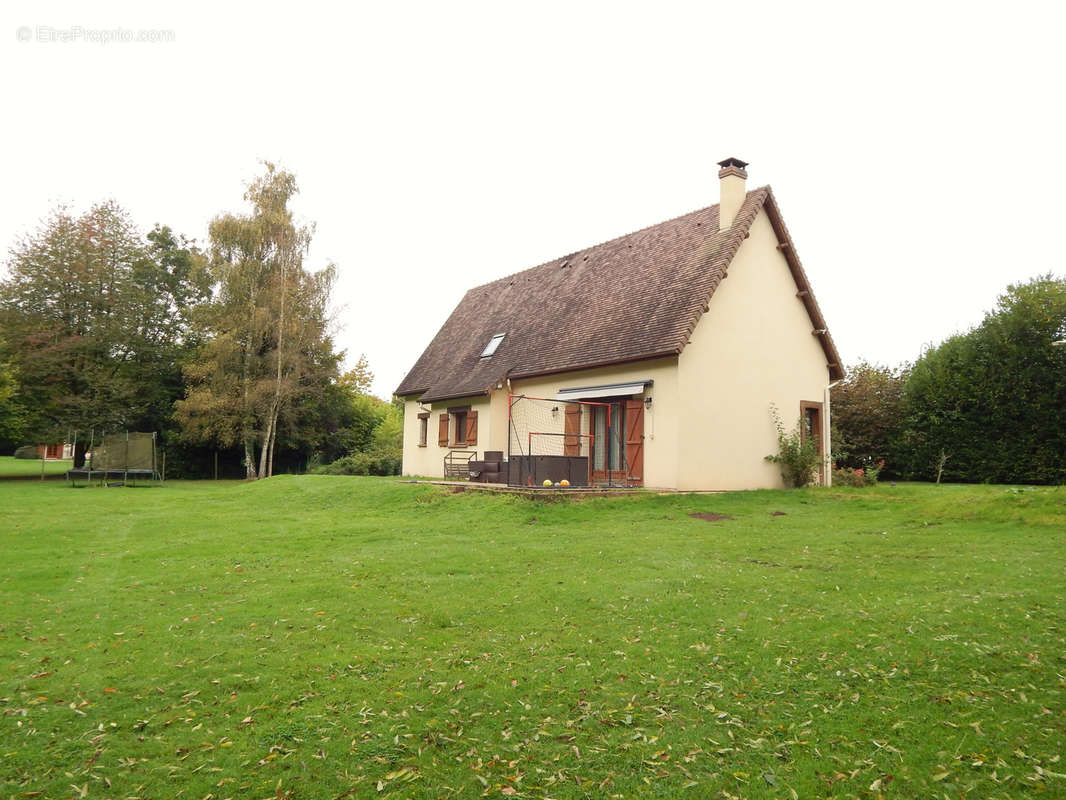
point(28, 451)
point(797, 455)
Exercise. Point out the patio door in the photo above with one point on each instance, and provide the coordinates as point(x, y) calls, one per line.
point(618, 443)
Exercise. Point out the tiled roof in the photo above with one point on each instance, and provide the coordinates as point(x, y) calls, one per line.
point(629, 299)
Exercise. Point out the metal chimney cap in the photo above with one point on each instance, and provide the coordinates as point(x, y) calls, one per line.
point(732, 162)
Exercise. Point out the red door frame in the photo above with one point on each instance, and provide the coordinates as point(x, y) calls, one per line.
point(632, 433)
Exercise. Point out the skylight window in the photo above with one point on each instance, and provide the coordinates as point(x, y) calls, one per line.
point(494, 342)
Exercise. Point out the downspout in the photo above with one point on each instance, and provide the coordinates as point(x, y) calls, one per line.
point(827, 458)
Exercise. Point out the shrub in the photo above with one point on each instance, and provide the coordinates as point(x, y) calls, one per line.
point(28, 451)
point(379, 462)
point(846, 476)
point(862, 476)
point(797, 455)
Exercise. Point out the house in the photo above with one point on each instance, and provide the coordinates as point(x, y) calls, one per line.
point(55, 452)
point(678, 340)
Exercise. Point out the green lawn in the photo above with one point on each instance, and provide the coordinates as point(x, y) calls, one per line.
point(24, 467)
point(327, 637)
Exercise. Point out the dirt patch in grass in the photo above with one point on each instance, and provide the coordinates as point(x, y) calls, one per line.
point(819, 567)
point(710, 517)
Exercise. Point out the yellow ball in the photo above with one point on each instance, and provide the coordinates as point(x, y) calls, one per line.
point(564, 482)
point(547, 482)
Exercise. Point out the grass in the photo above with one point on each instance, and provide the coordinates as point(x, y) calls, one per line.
point(31, 468)
point(328, 637)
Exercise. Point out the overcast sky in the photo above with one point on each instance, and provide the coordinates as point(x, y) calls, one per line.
point(917, 151)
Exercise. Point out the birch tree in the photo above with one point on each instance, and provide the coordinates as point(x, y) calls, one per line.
point(270, 346)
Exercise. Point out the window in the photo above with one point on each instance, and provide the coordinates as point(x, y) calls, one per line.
point(494, 342)
point(811, 414)
point(810, 422)
point(458, 428)
point(423, 429)
point(811, 417)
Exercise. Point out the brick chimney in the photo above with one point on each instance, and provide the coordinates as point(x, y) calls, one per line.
point(731, 178)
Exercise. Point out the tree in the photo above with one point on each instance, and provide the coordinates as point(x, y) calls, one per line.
point(990, 404)
point(388, 435)
point(359, 378)
point(12, 415)
point(354, 421)
point(96, 318)
point(867, 416)
point(269, 357)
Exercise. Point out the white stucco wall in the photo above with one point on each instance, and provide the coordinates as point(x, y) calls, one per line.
point(752, 348)
point(429, 460)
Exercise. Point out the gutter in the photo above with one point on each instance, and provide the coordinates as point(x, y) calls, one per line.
point(827, 448)
point(424, 399)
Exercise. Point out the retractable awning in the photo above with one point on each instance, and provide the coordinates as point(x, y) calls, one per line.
point(599, 392)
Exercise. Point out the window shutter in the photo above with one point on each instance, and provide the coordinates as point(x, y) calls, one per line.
point(571, 439)
point(635, 440)
point(442, 432)
point(471, 428)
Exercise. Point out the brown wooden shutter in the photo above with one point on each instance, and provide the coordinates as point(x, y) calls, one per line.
point(442, 431)
point(571, 429)
point(635, 440)
point(471, 428)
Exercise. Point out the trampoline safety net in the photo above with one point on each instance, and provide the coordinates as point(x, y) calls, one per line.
point(125, 451)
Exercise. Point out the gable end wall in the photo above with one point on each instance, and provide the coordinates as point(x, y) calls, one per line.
point(752, 348)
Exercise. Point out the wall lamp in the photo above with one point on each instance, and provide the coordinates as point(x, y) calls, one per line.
point(647, 402)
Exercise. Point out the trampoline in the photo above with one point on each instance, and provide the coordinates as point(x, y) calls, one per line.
point(119, 459)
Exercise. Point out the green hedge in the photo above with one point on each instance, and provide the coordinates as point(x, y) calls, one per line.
point(382, 462)
point(990, 404)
